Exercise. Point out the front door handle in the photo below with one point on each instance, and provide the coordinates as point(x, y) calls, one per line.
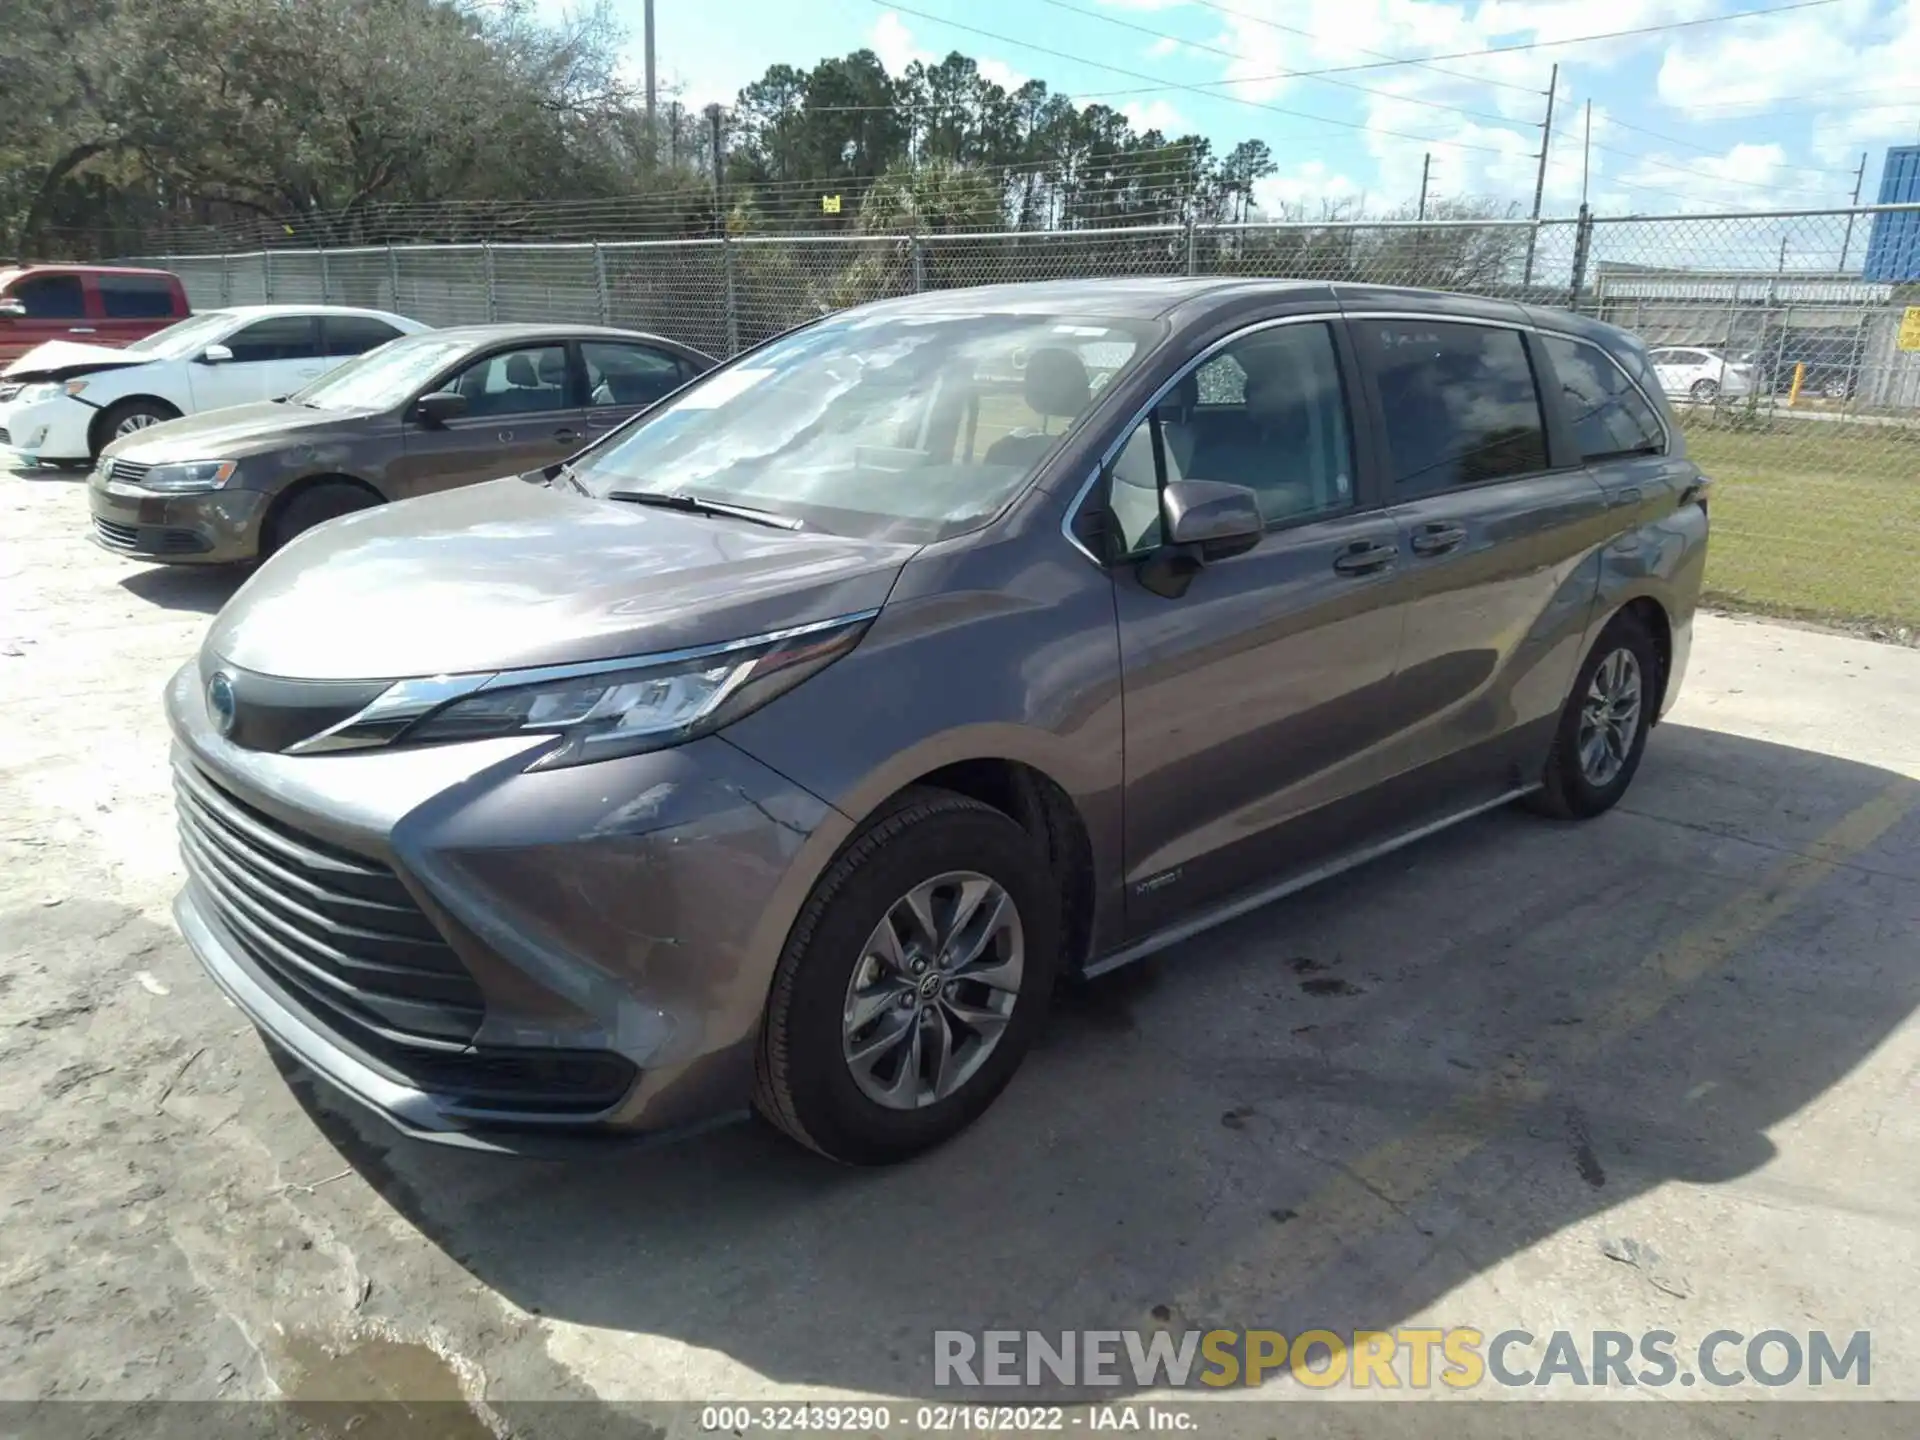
point(81, 330)
point(1629, 496)
point(1363, 557)
point(1436, 538)
point(566, 437)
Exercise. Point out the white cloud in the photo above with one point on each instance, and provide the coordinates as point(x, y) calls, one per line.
point(893, 42)
point(1306, 185)
point(1003, 74)
point(1158, 115)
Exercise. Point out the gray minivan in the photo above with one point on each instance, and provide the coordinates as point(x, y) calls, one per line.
point(789, 744)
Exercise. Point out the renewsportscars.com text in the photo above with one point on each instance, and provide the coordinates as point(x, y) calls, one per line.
point(1408, 1358)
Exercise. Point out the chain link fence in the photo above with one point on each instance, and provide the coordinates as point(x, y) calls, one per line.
point(1794, 370)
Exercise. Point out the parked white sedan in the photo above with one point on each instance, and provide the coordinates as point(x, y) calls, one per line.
point(1691, 373)
point(74, 399)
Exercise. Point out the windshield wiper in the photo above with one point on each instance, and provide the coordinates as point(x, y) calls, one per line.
point(700, 505)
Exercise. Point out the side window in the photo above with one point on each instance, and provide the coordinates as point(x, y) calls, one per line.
point(526, 381)
point(135, 297)
point(284, 337)
point(1459, 401)
point(1609, 416)
point(1133, 493)
point(354, 334)
point(52, 297)
point(1267, 412)
point(628, 375)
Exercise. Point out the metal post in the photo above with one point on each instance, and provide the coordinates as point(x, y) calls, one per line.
point(1426, 168)
point(1582, 243)
point(393, 274)
point(1193, 247)
point(266, 273)
point(918, 255)
point(1859, 179)
point(1540, 177)
point(325, 280)
point(653, 139)
point(600, 284)
point(720, 220)
point(486, 267)
point(226, 281)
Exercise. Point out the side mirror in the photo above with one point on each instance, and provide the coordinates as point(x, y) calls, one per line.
point(1202, 521)
point(215, 355)
point(1211, 517)
point(440, 407)
point(11, 306)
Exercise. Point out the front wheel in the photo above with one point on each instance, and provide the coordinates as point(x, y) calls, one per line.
point(912, 984)
point(129, 417)
point(313, 506)
point(1704, 392)
point(1603, 730)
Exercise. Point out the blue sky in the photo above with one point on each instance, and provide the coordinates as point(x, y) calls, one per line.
point(1769, 112)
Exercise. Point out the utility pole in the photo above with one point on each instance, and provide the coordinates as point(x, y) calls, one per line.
point(1586, 156)
point(1859, 179)
point(646, 22)
point(719, 168)
point(1540, 178)
point(732, 312)
point(1426, 168)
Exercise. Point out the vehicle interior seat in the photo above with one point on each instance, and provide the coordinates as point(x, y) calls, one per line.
point(1055, 385)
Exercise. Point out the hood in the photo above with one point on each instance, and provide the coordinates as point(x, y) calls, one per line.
point(514, 573)
point(234, 433)
point(64, 359)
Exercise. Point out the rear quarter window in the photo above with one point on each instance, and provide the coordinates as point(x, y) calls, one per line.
point(138, 297)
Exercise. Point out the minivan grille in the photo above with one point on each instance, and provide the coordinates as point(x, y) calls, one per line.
point(338, 931)
point(343, 940)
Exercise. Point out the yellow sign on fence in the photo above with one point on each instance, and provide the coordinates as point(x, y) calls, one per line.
point(1910, 328)
point(830, 204)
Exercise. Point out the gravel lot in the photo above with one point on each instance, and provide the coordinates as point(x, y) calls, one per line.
point(1440, 1090)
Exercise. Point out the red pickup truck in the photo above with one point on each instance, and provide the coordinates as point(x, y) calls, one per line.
point(93, 304)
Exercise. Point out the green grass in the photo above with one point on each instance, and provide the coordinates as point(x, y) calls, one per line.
point(1814, 520)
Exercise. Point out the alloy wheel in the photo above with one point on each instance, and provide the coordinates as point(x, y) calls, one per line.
point(1610, 718)
point(139, 420)
point(933, 990)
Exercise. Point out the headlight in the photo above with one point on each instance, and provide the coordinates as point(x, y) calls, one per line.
point(190, 475)
point(613, 711)
point(36, 394)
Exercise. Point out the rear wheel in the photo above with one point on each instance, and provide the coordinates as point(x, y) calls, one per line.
point(1704, 392)
point(313, 506)
point(1603, 731)
point(129, 417)
point(912, 984)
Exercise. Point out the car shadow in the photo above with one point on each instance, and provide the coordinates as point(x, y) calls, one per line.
point(200, 588)
point(1329, 1113)
point(50, 470)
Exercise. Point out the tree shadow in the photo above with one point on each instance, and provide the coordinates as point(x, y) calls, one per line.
point(200, 588)
point(1532, 1022)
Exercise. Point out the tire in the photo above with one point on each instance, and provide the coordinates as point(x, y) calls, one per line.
point(127, 418)
point(806, 1080)
point(312, 506)
point(1704, 392)
point(1572, 788)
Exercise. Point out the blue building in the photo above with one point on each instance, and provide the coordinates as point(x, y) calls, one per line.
point(1893, 247)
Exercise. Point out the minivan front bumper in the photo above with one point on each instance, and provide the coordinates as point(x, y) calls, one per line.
point(491, 958)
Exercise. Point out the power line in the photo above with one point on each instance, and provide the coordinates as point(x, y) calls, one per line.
point(1703, 149)
point(1377, 54)
point(1424, 59)
point(1323, 79)
point(1201, 89)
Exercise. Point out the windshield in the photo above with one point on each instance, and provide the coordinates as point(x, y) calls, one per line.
point(909, 427)
point(385, 375)
point(178, 341)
